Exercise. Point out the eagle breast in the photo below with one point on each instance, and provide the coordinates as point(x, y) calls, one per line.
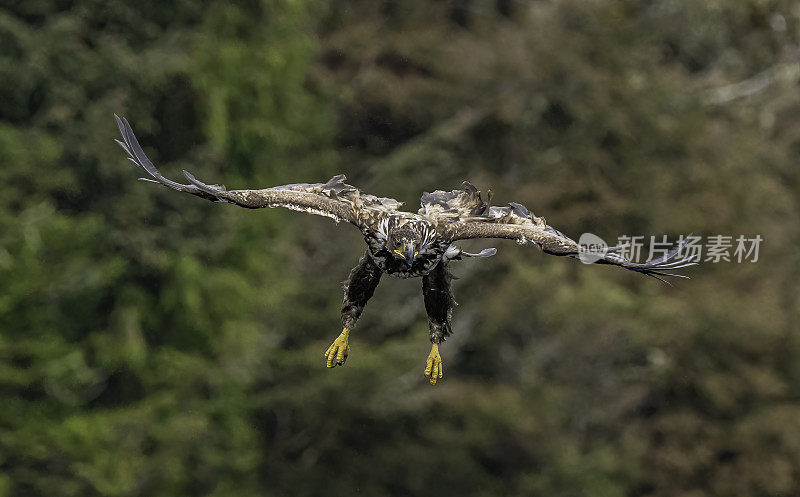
point(394, 236)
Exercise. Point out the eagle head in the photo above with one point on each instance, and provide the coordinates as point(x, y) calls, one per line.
point(405, 242)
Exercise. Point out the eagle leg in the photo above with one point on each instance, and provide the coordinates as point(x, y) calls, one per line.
point(439, 304)
point(358, 289)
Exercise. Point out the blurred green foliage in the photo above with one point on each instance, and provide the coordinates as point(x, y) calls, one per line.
point(152, 344)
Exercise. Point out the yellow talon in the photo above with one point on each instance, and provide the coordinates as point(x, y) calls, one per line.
point(337, 353)
point(433, 365)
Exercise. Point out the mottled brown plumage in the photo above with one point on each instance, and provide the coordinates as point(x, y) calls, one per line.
point(401, 243)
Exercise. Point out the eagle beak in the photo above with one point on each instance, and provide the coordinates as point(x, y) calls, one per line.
point(410, 253)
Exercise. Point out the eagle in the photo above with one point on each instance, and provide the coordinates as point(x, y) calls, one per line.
point(407, 244)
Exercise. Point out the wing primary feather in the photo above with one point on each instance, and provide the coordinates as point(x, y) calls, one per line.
point(124, 146)
point(654, 267)
point(673, 274)
point(215, 190)
point(652, 275)
point(138, 157)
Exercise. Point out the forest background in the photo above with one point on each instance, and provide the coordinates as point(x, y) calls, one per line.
point(153, 344)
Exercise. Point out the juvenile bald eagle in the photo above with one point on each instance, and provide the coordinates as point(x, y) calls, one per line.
point(405, 244)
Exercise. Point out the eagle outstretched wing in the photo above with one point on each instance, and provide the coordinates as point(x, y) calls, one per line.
point(334, 199)
point(463, 214)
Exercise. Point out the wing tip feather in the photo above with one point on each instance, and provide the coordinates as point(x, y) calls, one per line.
point(657, 267)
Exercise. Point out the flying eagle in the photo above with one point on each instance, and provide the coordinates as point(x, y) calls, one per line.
point(406, 244)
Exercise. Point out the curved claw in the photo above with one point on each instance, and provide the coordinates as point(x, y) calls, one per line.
point(337, 353)
point(434, 369)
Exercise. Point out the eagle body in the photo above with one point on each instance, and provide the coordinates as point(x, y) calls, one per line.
point(419, 232)
point(406, 244)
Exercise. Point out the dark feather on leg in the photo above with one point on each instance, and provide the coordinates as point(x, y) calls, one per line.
point(358, 289)
point(439, 301)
